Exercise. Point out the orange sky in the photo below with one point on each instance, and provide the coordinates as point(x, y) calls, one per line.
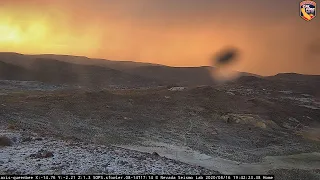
point(272, 38)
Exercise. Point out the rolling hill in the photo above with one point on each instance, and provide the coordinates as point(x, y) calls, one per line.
point(13, 72)
point(26, 60)
point(83, 71)
point(58, 72)
point(164, 75)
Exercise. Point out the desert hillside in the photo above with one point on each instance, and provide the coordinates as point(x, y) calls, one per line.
point(134, 121)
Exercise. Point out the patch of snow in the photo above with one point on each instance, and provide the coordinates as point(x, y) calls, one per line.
point(310, 107)
point(305, 102)
point(177, 89)
point(79, 158)
point(231, 93)
point(306, 95)
point(286, 92)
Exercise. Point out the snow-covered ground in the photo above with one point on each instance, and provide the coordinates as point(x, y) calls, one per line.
point(79, 158)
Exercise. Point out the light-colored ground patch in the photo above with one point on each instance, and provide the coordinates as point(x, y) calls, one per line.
point(306, 161)
point(250, 119)
point(79, 158)
point(312, 133)
point(307, 102)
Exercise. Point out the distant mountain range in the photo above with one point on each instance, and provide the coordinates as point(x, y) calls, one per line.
point(26, 60)
point(38, 68)
point(83, 71)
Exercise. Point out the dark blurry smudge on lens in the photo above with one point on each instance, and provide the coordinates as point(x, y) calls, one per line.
point(225, 57)
point(221, 62)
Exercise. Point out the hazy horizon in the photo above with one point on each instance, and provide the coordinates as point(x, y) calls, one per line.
point(270, 35)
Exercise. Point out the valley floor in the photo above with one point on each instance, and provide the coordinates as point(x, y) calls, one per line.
point(199, 130)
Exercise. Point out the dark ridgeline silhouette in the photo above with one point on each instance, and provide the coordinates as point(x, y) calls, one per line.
point(84, 71)
point(57, 72)
point(180, 76)
point(13, 72)
point(52, 71)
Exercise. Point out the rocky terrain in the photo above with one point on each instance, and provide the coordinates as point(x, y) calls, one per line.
point(31, 154)
point(252, 125)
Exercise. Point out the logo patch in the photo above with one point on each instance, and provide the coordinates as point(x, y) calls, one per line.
point(308, 10)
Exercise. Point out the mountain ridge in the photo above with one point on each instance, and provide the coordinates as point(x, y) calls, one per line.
point(83, 70)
